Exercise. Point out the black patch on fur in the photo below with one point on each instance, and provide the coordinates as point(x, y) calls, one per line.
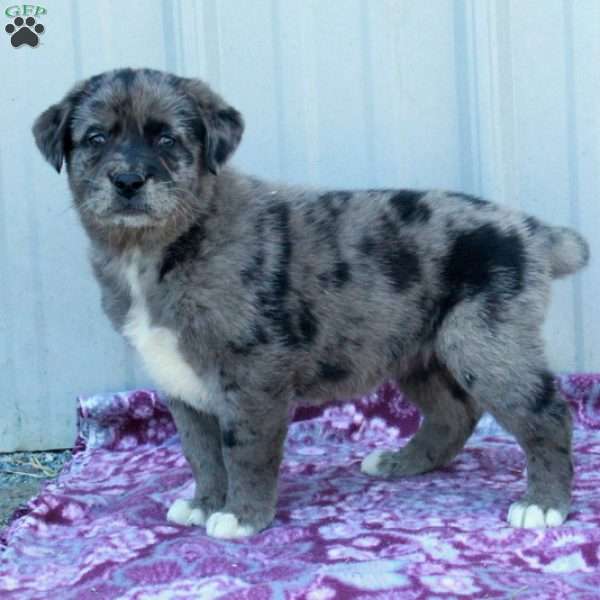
point(228, 437)
point(126, 77)
point(197, 126)
point(367, 245)
point(243, 349)
point(341, 273)
point(307, 323)
point(323, 215)
point(332, 372)
point(379, 191)
point(229, 386)
point(222, 150)
point(310, 215)
point(338, 276)
point(473, 200)
point(174, 81)
point(93, 85)
point(478, 257)
point(482, 261)
point(532, 225)
point(272, 296)
point(335, 202)
point(400, 266)
point(184, 249)
point(254, 272)
point(544, 394)
point(409, 207)
point(74, 100)
point(396, 261)
point(154, 127)
point(281, 276)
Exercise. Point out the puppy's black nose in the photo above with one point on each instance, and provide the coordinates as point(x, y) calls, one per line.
point(128, 183)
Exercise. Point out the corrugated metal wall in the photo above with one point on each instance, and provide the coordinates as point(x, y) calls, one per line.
point(494, 98)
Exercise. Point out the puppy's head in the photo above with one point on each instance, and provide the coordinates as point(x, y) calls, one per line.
point(138, 144)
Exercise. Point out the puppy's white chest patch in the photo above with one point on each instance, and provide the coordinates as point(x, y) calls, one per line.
point(159, 349)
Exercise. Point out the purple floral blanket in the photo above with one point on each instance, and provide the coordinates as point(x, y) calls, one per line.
point(99, 530)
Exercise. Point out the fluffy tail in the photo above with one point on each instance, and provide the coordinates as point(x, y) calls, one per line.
point(569, 252)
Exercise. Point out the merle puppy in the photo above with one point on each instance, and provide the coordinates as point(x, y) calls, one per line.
point(244, 297)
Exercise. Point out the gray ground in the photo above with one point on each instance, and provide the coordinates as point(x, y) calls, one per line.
point(22, 475)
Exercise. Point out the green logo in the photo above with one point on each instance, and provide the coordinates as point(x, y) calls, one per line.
point(25, 10)
point(24, 29)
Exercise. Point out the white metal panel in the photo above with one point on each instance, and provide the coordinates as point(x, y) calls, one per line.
point(492, 97)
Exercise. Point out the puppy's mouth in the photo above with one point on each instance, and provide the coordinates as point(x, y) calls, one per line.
point(131, 211)
point(132, 216)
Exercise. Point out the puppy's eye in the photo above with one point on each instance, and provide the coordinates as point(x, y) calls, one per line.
point(165, 141)
point(97, 139)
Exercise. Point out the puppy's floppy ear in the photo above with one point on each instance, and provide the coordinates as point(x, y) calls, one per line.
point(51, 129)
point(219, 126)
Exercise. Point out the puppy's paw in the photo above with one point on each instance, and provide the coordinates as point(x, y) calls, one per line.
point(196, 517)
point(182, 512)
point(374, 463)
point(226, 526)
point(405, 462)
point(532, 516)
point(179, 511)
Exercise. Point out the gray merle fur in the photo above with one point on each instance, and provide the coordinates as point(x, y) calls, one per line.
point(246, 298)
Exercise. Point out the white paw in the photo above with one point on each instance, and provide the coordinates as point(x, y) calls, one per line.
point(182, 513)
point(179, 511)
point(196, 517)
point(370, 463)
point(226, 526)
point(530, 516)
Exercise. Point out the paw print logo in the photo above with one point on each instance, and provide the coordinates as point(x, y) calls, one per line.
point(24, 32)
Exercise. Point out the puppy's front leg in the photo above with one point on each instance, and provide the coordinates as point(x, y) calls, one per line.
point(252, 446)
point(201, 443)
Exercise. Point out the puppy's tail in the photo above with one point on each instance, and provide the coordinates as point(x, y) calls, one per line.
point(569, 252)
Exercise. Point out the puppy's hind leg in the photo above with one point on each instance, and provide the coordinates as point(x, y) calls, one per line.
point(450, 415)
point(510, 380)
point(543, 429)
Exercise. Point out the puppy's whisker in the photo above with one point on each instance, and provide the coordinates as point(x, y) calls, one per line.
point(193, 207)
point(68, 208)
point(164, 164)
